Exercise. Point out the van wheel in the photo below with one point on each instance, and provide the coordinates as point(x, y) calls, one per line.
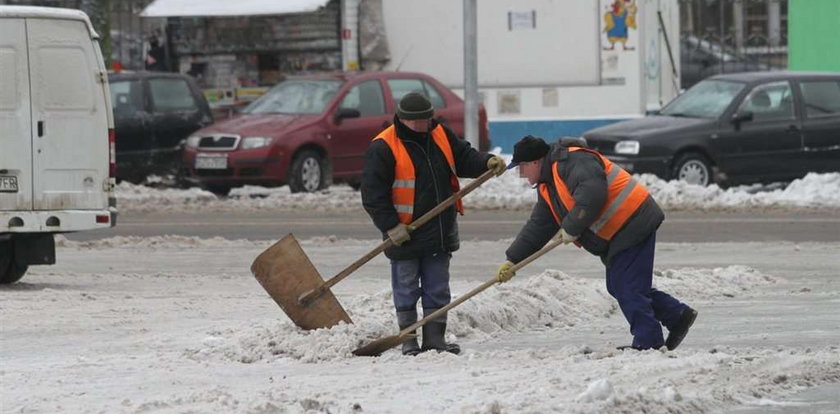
point(308, 173)
point(693, 168)
point(10, 272)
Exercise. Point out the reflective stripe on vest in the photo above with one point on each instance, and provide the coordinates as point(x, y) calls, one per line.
point(402, 191)
point(624, 196)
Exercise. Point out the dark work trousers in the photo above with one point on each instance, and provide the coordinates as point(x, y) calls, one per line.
point(629, 280)
point(427, 278)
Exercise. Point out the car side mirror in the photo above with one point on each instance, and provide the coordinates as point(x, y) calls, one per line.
point(742, 117)
point(343, 113)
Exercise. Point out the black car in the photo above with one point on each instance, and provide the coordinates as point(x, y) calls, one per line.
point(734, 129)
point(154, 113)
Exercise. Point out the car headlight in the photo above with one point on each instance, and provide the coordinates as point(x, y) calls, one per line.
point(193, 141)
point(255, 142)
point(627, 147)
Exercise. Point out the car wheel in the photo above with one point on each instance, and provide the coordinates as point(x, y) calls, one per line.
point(308, 173)
point(10, 272)
point(693, 168)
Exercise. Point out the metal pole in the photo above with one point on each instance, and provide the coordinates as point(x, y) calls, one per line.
point(774, 22)
point(722, 35)
point(470, 73)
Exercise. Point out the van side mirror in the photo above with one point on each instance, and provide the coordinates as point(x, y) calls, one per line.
point(343, 113)
point(742, 117)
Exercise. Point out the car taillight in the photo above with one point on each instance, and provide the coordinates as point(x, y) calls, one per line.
point(112, 153)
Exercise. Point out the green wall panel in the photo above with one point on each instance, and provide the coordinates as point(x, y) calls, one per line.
point(814, 35)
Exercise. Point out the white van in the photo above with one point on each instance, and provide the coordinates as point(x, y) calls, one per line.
point(56, 134)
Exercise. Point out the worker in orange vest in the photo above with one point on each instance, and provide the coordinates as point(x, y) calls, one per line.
point(598, 206)
point(411, 167)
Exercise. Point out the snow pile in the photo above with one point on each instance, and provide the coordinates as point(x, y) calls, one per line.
point(551, 299)
point(132, 195)
point(813, 191)
point(508, 192)
point(600, 389)
point(285, 340)
point(704, 283)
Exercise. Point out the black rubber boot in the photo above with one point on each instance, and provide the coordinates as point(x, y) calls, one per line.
point(677, 334)
point(434, 338)
point(404, 320)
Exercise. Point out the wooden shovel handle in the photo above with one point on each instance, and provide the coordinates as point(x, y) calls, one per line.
point(554, 243)
point(313, 294)
point(425, 218)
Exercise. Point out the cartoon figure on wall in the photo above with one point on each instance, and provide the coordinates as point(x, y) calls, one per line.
point(618, 21)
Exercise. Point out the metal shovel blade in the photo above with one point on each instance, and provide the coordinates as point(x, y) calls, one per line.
point(285, 272)
point(381, 345)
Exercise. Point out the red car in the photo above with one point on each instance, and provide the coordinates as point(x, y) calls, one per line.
point(308, 131)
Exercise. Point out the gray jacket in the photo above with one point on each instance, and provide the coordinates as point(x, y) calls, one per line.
point(584, 176)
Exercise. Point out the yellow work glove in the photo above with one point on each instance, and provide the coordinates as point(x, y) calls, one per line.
point(497, 165)
point(504, 274)
point(399, 234)
point(566, 238)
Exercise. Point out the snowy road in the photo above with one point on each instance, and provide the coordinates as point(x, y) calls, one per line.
point(172, 324)
point(178, 324)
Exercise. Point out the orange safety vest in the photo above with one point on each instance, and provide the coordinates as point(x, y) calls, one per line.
point(402, 192)
point(624, 196)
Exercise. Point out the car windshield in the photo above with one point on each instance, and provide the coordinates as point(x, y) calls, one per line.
point(707, 99)
point(295, 97)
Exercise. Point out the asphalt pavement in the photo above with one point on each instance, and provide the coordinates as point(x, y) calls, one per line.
point(687, 227)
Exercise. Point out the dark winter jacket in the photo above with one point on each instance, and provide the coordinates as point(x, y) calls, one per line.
point(583, 173)
point(431, 187)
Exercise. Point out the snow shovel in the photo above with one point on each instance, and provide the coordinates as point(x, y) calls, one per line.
point(286, 273)
point(379, 346)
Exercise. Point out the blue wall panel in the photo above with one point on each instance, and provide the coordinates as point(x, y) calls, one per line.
point(504, 134)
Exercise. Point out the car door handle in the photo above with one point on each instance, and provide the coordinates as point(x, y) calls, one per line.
point(792, 128)
point(386, 124)
point(40, 128)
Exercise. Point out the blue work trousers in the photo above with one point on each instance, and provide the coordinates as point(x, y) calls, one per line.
point(629, 280)
point(426, 278)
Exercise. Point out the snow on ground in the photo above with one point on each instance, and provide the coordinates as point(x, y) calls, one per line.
point(814, 191)
point(177, 324)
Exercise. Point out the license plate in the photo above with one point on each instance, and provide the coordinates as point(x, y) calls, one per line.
point(8, 184)
point(214, 162)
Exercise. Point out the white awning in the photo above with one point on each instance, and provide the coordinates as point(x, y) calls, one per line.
point(222, 8)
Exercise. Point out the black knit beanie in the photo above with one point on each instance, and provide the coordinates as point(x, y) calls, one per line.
point(414, 106)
